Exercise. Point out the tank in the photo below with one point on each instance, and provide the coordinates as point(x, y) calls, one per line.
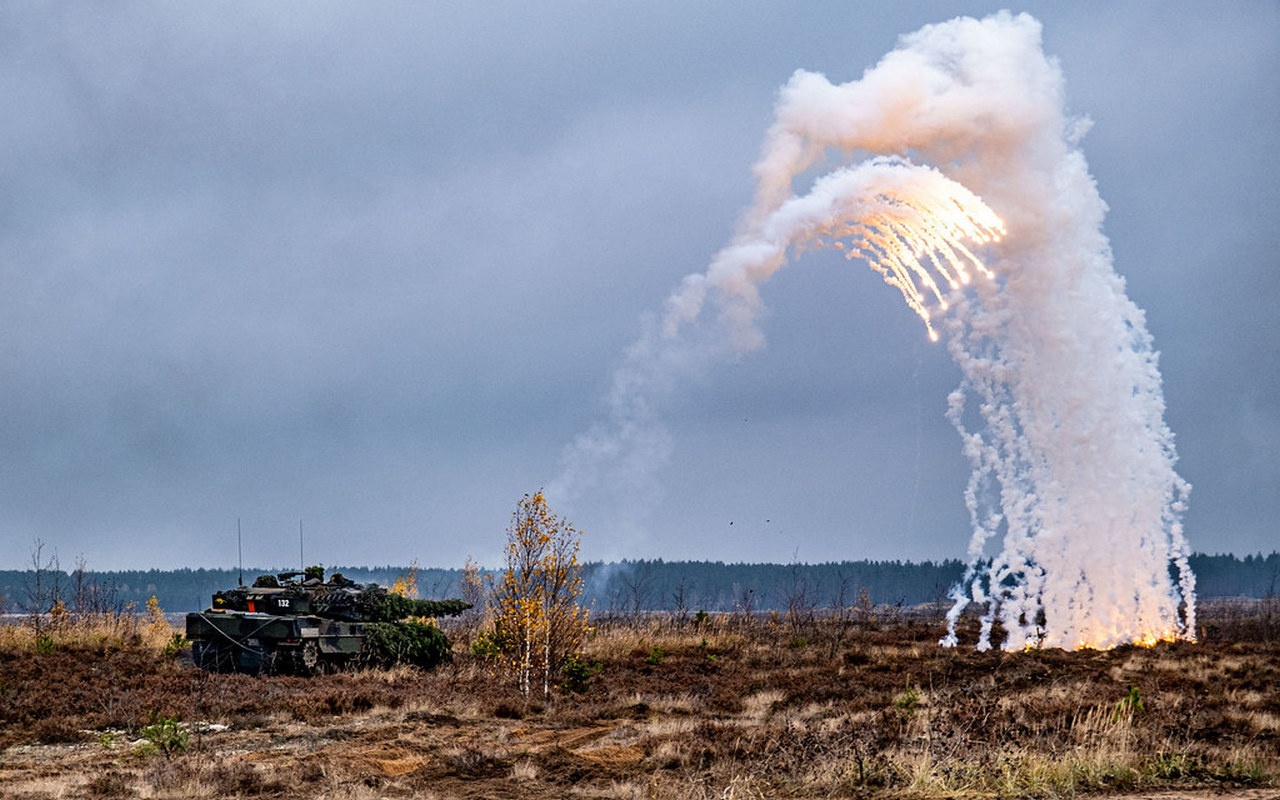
point(298, 623)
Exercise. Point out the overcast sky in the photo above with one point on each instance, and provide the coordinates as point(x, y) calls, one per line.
point(372, 266)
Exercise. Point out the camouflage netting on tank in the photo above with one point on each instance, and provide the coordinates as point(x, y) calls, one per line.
point(341, 599)
point(382, 606)
point(415, 643)
point(373, 603)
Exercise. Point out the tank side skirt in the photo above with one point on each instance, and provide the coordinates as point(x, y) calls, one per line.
point(237, 640)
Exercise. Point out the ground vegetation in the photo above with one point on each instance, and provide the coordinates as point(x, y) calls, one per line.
point(853, 702)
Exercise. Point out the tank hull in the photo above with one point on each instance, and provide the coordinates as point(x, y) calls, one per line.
point(259, 643)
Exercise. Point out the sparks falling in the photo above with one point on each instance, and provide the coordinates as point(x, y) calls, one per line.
point(906, 224)
point(967, 152)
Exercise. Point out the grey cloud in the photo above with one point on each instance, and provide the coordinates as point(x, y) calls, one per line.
point(373, 268)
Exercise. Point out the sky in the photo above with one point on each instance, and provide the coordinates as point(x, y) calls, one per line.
point(367, 272)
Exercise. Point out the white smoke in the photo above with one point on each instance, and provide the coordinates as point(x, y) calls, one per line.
point(1060, 410)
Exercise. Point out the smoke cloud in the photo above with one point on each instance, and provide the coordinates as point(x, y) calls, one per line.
point(953, 151)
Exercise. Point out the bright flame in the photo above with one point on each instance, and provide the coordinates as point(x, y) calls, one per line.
point(914, 219)
point(1099, 640)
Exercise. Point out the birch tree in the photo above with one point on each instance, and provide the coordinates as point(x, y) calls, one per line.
point(538, 621)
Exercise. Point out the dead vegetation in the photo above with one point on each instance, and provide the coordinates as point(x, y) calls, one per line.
point(712, 706)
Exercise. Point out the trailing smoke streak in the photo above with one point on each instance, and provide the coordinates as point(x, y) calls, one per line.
point(1060, 408)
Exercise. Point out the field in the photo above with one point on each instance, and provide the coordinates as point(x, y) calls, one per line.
point(717, 706)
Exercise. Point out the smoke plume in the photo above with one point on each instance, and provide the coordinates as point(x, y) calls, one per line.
point(958, 178)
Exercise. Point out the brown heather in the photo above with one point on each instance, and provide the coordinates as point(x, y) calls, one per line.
point(856, 705)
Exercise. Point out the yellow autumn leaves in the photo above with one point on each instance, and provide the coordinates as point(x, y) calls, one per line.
point(538, 622)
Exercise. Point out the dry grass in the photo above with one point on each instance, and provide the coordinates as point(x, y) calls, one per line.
point(96, 631)
point(731, 707)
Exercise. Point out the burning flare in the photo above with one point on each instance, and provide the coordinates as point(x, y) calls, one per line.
point(899, 217)
point(1075, 506)
point(905, 217)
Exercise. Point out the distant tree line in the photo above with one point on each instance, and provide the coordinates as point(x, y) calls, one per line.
point(178, 590)
point(609, 587)
point(691, 586)
point(1232, 576)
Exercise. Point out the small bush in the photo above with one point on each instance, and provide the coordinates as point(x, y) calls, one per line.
point(577, 675)
point(165, 735)
point(176, 644)
point(486, 646)
point(1171, 766)
point(1129, 705)
point(908, 700)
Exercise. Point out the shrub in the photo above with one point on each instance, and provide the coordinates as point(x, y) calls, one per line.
point(414, 643)
point(1129, 705)
point(485, 646)
point(176, 644)
point(577, 675)
point(165, 735)
point(908, 700)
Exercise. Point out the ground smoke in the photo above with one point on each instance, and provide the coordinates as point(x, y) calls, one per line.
point(1075, 503)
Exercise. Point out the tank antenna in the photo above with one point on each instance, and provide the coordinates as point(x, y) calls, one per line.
point(239, 553)
point(302, 560)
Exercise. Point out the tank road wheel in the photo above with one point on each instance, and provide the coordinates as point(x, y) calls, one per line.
point(307, 659)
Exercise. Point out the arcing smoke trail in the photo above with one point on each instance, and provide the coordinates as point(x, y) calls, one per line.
point(1060, 408)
